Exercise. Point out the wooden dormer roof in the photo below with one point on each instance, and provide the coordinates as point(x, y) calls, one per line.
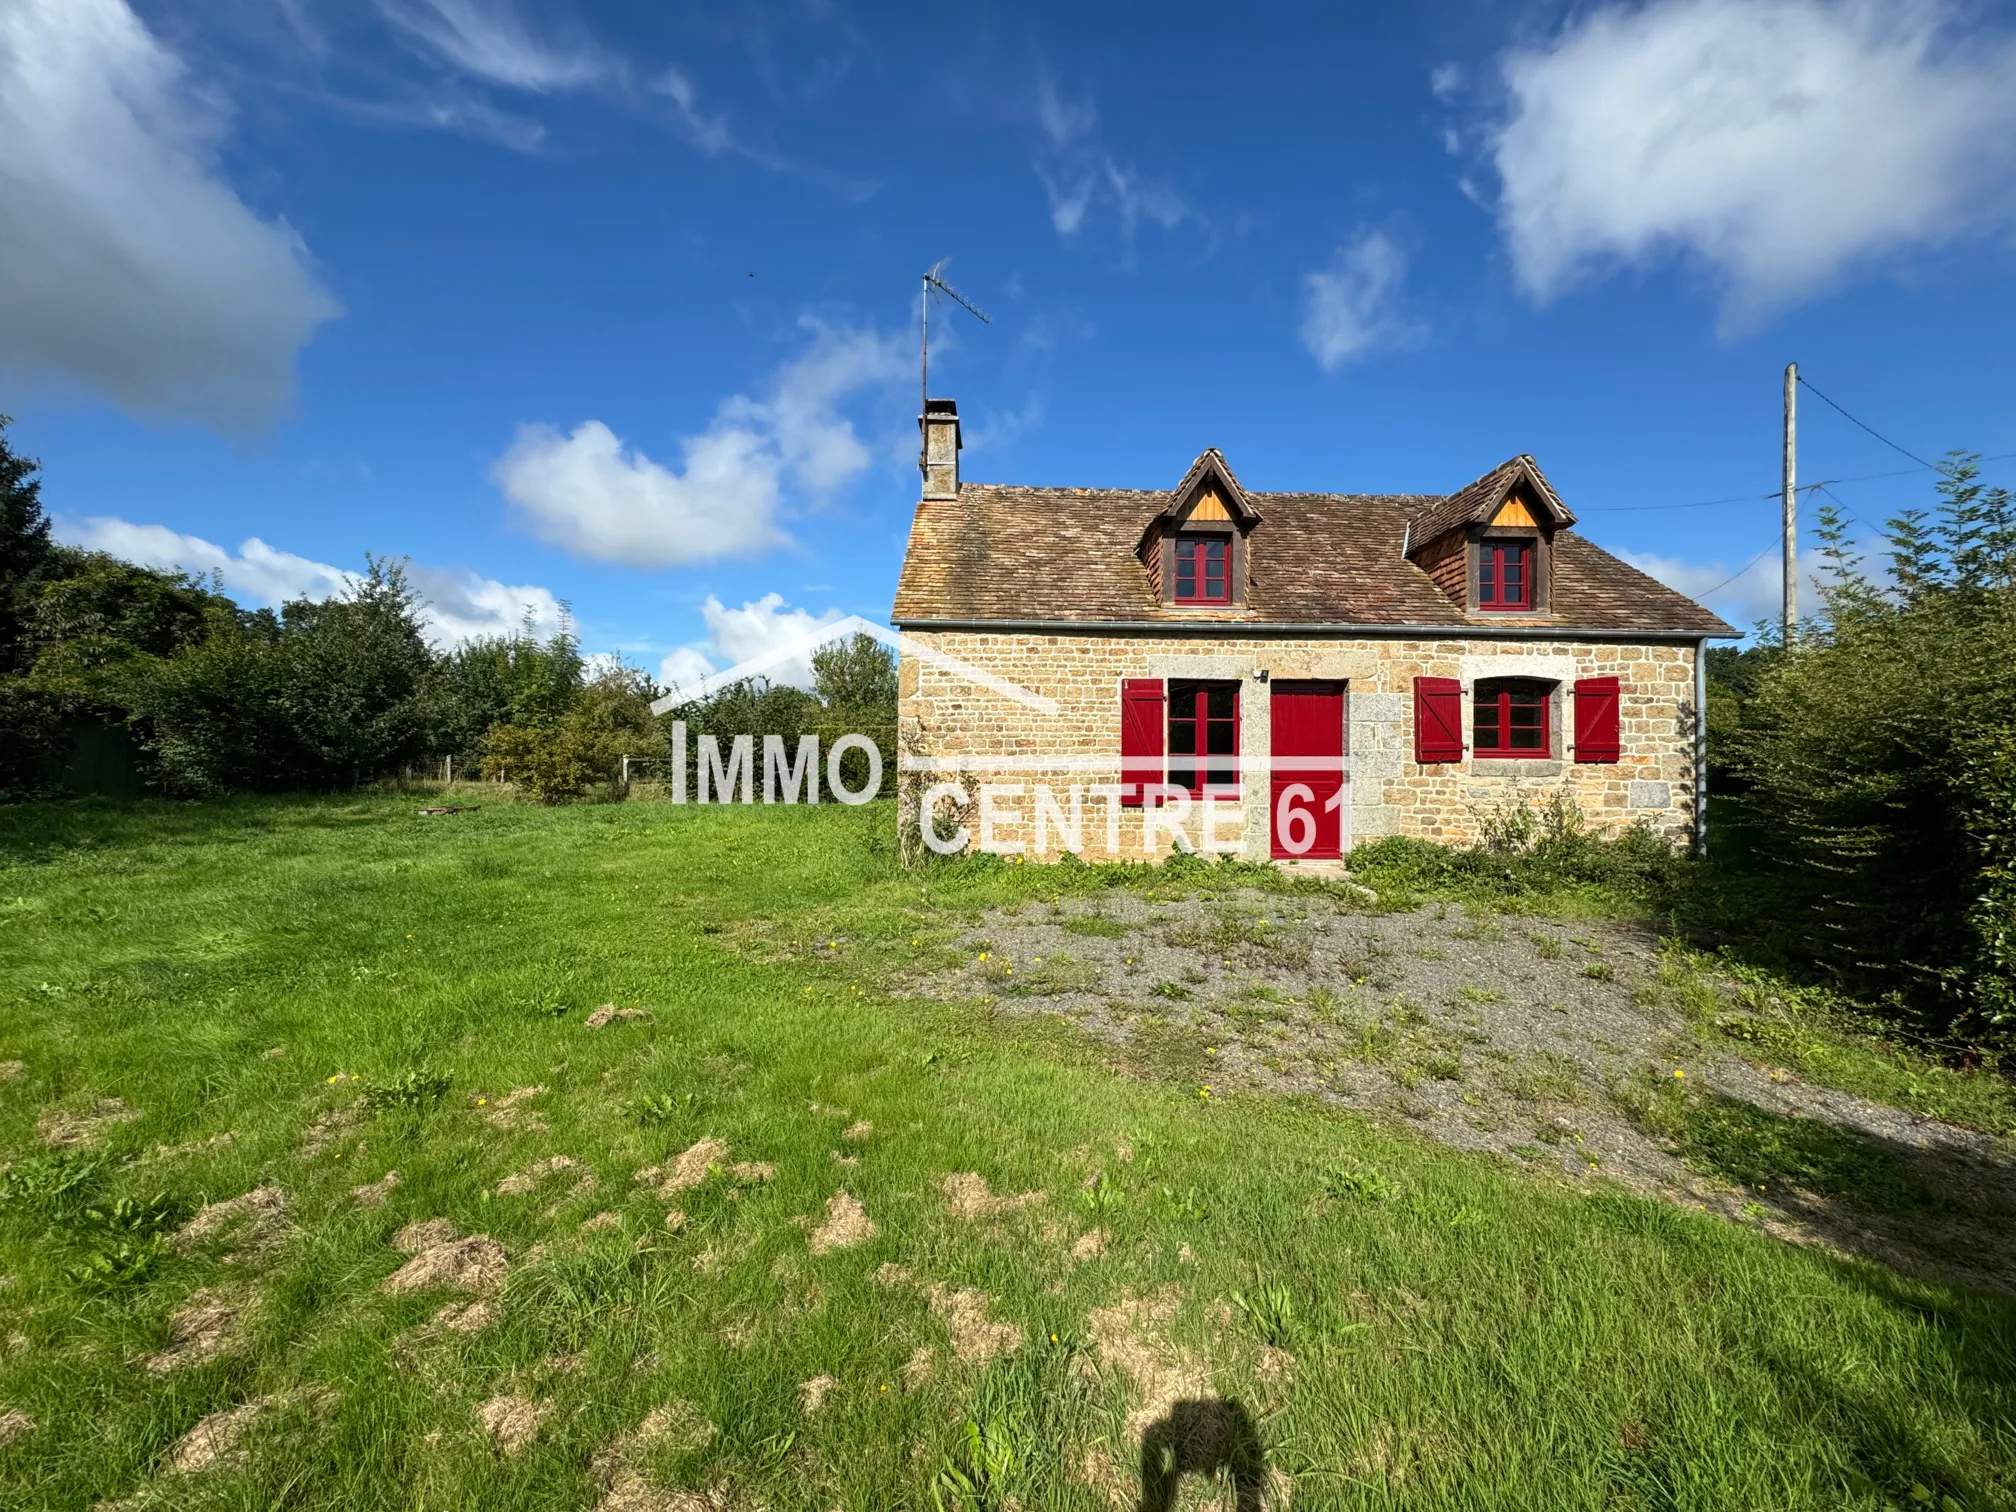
point(1211, 473)
point(1512, 487)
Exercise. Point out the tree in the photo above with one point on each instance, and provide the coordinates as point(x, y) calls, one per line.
point(356, 669)
point(607, 719)
point(856, 679)
point(503, 679)
point(1881, 754)
point(24, 544)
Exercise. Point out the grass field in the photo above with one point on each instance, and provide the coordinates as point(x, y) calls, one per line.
point(887, 1250)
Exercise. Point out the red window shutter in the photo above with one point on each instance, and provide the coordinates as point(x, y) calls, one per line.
point(1438, 719)
point(1596, 720)
point(1141, 727)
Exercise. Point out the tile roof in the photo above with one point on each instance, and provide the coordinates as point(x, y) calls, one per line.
point(1475, 503)
point(1041, 555)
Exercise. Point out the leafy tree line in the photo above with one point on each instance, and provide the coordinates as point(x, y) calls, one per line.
point(122, 678)
point(1872, 765)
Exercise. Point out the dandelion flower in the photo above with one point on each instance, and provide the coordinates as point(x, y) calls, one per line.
point(1678, 1074)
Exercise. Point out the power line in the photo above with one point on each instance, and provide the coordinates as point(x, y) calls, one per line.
point(1845, 509)
point(1706, 593)
point(1869, 428)
point(1900, 472)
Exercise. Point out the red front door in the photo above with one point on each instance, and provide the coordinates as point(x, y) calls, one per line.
point(1306, 805)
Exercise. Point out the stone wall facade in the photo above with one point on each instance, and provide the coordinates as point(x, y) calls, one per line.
point(1001, 753)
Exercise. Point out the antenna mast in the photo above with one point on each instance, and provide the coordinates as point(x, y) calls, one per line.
point(934, 284)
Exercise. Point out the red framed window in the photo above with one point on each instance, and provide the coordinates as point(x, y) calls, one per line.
point(1508, 717)
point(1204, 736)
point(1504, 575)
point(1203, 569)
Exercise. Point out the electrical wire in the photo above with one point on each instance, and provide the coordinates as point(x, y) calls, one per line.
point(1869, 428)
point(1710, 592)
point(1845, 509)
point(1900, 472)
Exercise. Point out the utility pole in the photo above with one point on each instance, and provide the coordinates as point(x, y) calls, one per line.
point(1791, 612)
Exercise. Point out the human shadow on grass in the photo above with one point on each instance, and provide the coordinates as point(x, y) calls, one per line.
point(1943, 1209)
point(1204, 1438)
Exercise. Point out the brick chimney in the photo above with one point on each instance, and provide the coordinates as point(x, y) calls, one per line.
point(940, 460)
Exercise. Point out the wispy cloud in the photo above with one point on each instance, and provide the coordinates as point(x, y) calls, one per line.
point(1776, 143)
point(489, 40)
point(1064, 122)
point(1084, 181)
point(127, 264)
point(589, 494)
point(1351, 308)
point(461, 605)
point(996, 430)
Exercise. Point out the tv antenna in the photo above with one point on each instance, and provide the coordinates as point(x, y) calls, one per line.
point(935, 284)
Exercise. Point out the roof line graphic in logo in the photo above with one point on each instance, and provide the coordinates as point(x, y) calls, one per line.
point(854, 624)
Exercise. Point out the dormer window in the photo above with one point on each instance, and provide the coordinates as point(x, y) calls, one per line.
point(1194, 550)
point(1490, 546)
point(1505, 575)
point(1203, 569)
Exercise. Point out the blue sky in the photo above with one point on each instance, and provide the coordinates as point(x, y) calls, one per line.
point(615, 303)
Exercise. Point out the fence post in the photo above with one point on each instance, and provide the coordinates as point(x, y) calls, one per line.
point(626, 772)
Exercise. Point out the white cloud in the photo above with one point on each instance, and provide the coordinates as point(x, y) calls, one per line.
point(1064, 122)
point(1776, 142)
point(709, 135)
point(460, 604)
point(488, 40)
point(589, 495)
point(1348, 308)
point(1081, 177)
point(463, 606)
point(995, 430)
point(739, 635)
point(126, 263)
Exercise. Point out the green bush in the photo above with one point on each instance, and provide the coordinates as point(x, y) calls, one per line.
point(1880, 754)
point(1525, 851)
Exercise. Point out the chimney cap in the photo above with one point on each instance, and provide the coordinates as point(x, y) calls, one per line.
point(948, 407)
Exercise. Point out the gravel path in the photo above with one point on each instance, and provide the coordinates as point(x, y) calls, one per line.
point(1541, 1040)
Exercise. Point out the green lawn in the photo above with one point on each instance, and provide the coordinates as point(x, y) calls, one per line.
point(1399, 1324)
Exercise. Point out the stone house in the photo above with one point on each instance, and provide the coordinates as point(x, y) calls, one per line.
point(1279, 675)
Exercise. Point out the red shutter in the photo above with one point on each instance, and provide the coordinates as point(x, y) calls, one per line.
point(1438, 719)
point(1596, 722)
point(1141, 726)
